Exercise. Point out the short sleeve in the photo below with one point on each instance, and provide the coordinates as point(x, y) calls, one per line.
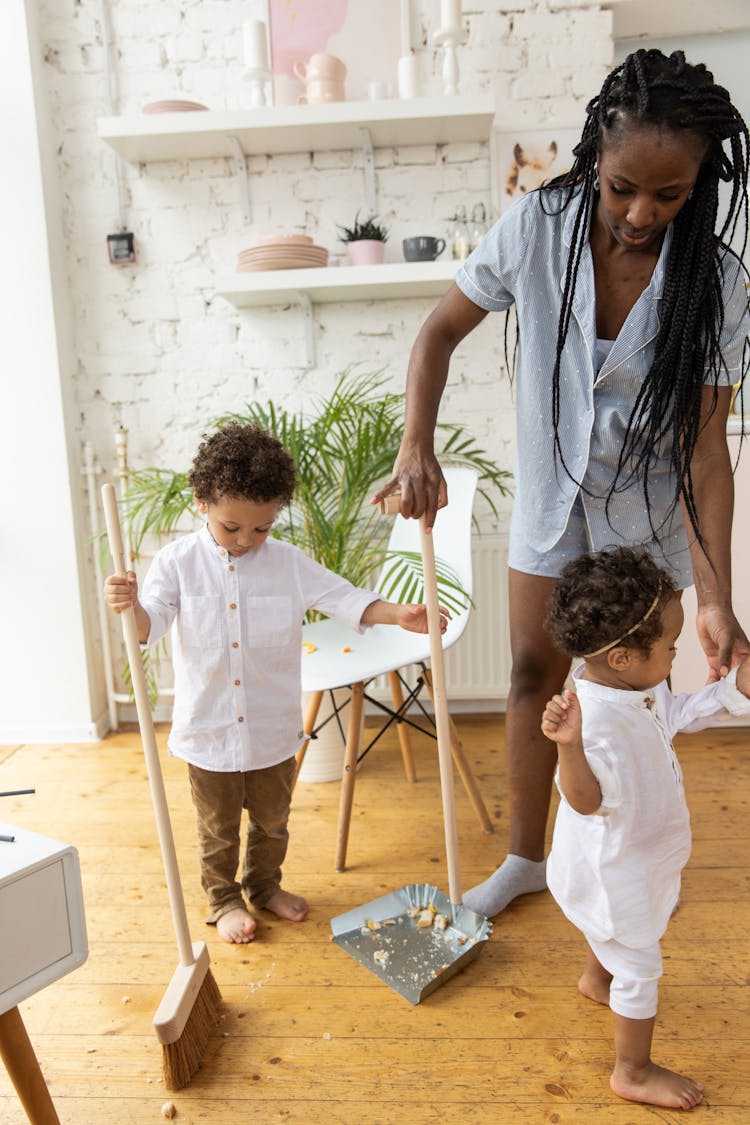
point(488, 276)
point(599, 759)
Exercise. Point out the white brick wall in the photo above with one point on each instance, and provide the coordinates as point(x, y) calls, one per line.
point(156, 350)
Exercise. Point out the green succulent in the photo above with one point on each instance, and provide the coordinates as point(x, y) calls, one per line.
point(370, 229)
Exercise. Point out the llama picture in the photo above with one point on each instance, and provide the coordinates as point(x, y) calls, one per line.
point(524, 161)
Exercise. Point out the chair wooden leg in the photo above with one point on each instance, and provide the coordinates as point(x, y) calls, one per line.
point(23, 1069)
point(350, 773)
point(397, 696)
point(463, 767)
point(311, 715)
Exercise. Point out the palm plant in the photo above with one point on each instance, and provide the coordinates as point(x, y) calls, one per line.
point(342, 452)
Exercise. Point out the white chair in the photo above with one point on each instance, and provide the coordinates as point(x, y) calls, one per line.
point(343, 659)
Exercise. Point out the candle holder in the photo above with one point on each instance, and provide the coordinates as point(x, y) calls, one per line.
point(258, 79)
point(449, 38)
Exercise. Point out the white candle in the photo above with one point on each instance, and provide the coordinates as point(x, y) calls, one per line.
point(254, 40)
point(450, 15)
point(405, 27)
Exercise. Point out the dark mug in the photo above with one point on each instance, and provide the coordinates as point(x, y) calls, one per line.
point(422, 248)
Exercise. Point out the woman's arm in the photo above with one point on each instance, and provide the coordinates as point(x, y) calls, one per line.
point(722, 637)
point(416, 471)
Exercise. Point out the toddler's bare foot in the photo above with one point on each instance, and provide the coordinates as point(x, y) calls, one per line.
point(286, 905)
point(236, 926)
point(595, 986)
point(656, 1086)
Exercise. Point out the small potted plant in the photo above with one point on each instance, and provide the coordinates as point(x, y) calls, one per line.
point(365, 241)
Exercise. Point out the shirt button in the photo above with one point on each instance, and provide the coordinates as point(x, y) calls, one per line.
point(232, 605)
point(240, 719)
point(236, 683)
point(235, 644)
point(223, 554)
point(231, 568)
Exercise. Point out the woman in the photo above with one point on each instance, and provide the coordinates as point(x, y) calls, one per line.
point(632, 322)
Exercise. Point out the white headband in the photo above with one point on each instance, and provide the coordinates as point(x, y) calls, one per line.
point(612, 644)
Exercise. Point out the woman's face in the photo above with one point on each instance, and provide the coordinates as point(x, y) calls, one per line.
point(645, 176)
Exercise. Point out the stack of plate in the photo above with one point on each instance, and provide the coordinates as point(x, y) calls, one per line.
point(282, 252)
point(172, 106)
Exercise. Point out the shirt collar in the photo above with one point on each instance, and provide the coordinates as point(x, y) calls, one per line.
point(214, 547)
point(602, 693)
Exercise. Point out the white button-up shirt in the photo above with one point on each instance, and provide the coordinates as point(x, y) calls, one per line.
point(522, 261)
point(237, 644)
point(616, 873)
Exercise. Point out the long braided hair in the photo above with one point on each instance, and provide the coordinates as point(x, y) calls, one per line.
point(651, 89)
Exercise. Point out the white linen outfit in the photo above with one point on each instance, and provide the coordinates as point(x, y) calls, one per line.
point(237, 644)
point(616, 873)
point(522, 260)
point(237, 721)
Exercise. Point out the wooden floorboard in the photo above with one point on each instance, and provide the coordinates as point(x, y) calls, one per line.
point(306, 1033)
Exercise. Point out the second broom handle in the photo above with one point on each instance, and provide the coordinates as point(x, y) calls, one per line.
point(148, 738)
point(442, 721)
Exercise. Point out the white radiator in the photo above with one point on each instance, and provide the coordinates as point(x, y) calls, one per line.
point(477, 667)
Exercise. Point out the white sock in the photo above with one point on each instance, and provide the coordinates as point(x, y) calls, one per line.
point(516, 876)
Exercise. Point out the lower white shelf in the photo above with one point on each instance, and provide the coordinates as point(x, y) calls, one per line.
point(339, 283)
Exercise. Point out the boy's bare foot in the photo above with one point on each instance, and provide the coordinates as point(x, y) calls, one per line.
point(236, 926)
point(656, 1086)
point(286, 905)
point(594, 986)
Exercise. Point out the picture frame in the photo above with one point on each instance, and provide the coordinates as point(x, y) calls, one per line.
point(522, 159)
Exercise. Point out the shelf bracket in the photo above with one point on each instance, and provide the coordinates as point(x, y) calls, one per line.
point(368, 162)
point(240, 171)
point(307, 321)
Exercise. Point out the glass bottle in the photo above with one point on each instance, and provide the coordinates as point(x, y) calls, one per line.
point(478, 225)
point(460, 234)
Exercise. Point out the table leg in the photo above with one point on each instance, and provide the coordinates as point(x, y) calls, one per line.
point(23, 1069)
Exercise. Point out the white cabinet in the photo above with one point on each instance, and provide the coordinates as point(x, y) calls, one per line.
point(43, 935)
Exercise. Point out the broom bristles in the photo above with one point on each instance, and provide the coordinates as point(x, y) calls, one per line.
point(181, 1059)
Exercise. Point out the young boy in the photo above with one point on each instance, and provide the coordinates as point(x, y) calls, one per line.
point(622, 833)
point(237, 599)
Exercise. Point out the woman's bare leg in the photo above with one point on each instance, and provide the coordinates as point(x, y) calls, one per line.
point(539, 671)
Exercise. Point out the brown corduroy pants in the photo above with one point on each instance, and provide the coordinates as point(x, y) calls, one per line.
point(219, 799)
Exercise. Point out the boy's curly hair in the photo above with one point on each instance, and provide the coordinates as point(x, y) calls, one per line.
point(243, 461)
point(599, 597)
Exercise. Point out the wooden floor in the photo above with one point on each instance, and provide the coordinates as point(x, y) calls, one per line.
point(308, 1034)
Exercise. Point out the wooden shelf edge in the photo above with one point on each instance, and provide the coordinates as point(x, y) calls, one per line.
point(392, 280)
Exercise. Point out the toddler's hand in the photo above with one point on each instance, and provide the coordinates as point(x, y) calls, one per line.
point(414, 618)
point(743, 677)
point(561, 720)
point(121, 593)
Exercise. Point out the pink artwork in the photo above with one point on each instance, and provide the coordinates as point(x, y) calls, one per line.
point(363, 34)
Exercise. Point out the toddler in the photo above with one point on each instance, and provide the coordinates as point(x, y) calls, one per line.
point(236, 599)
point(622, 833)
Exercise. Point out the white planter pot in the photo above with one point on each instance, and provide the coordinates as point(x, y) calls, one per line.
point(324, 759)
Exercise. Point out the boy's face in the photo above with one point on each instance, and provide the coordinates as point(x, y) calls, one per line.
point(645, 672)
point(239, 525)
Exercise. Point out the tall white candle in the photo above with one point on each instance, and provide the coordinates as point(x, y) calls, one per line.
point(254, 40)
point(450, 15)
point(405, 27)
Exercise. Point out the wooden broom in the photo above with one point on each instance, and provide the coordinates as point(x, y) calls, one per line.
point(189, 1008)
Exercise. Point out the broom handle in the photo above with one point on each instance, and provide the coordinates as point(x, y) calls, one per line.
point(442, 721)
point(148, 738)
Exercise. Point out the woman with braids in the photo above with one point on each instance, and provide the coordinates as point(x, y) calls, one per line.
point(632, 322)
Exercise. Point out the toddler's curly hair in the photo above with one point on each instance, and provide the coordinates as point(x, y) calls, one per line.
point(599, 597)
point(243, 461)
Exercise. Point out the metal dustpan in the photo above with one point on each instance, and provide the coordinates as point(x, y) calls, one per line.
point(415, 939)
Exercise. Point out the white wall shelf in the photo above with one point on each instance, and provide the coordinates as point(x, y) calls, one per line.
point(338, 283)
point(270, 130)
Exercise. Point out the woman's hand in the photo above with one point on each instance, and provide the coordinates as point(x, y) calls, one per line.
point(420, 482)
point(723, 639)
